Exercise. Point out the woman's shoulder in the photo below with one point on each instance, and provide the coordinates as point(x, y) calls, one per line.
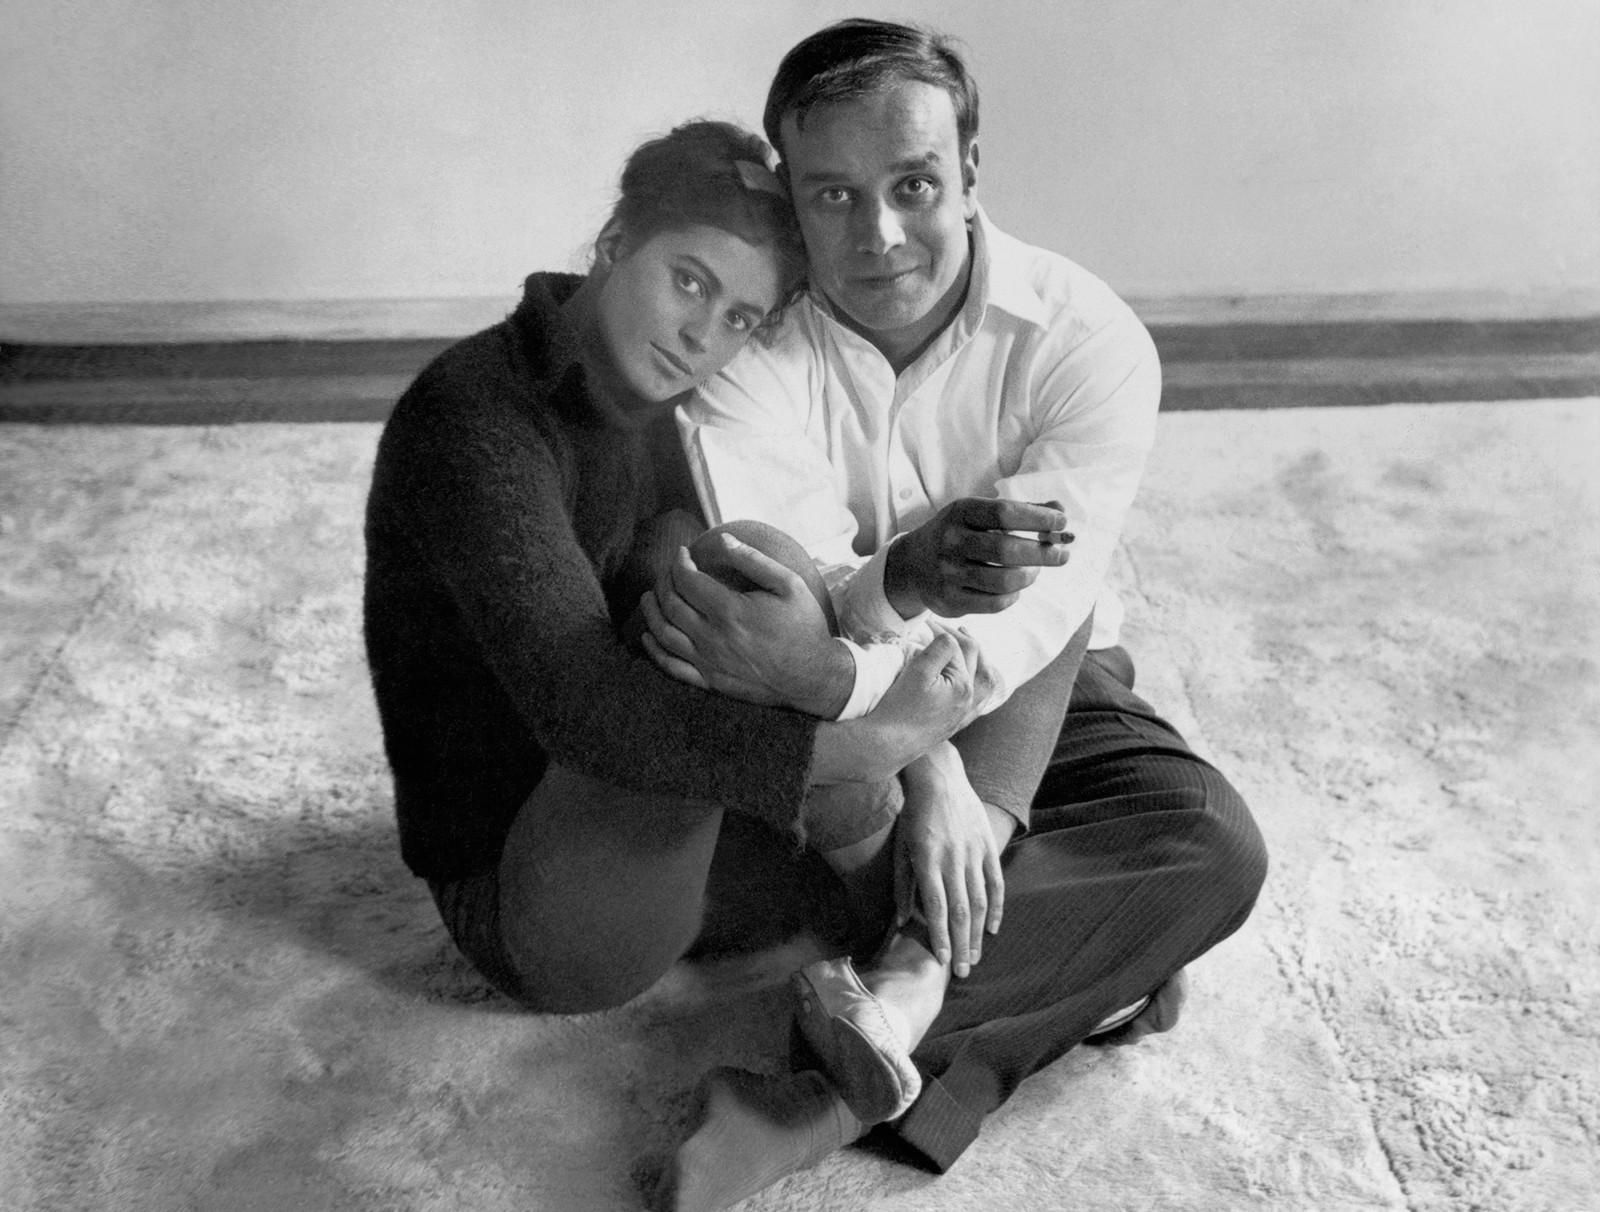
point(505, 363)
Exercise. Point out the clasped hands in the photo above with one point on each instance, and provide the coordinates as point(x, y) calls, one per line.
point(745, 625)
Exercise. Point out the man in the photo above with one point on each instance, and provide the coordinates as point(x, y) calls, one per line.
point(944, 404)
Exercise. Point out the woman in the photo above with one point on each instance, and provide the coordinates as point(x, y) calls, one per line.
point(562, 796)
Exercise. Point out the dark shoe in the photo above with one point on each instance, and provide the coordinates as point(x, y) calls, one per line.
point(1150, 1016)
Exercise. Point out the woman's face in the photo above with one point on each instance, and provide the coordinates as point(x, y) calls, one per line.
point(676, 308)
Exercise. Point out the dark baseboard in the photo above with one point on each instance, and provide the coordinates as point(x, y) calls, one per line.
point(1247, 365)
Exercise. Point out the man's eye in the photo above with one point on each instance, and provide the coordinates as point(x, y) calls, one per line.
point(689, 284)
point(835, 195)
point(917, 187)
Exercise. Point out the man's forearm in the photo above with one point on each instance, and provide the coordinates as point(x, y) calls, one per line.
point(824, 687)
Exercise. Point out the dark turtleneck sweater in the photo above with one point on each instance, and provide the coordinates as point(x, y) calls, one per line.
point(506, 492)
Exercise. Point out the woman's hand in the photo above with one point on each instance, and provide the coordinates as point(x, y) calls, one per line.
point(947, 858)
point(933, 697)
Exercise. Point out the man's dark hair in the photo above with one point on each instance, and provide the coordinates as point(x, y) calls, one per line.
point(855, 58)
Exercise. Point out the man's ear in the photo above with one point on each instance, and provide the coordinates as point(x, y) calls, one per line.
point(608, 245)
point(969, 178)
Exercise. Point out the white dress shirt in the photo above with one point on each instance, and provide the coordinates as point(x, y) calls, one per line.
point(1044, 387)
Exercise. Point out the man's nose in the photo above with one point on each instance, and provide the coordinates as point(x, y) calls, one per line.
point(879, 228)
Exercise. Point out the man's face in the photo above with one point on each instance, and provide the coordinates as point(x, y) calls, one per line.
point(884, 194)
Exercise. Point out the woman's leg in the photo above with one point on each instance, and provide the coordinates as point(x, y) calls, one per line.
point(849, 824)
point(601, 890)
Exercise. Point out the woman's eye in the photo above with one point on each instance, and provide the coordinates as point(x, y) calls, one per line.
point(738, 321)
point(689, 284)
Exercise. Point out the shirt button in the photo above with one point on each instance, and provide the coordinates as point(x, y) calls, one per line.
point(905, 494)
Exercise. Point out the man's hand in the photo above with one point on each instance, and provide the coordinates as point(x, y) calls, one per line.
point(947, 857)
point(932, 698)
point(965, 560)
point(746, 626)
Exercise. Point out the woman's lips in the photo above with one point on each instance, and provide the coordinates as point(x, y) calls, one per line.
point(671, 359)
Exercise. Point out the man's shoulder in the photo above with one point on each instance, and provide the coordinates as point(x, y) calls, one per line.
point(771, 373)
point(1065, 294)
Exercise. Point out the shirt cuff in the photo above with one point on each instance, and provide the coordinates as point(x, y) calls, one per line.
point(877, 666)
point(865, 613)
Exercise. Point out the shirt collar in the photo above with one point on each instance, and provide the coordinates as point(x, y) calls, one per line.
point(1000, 276)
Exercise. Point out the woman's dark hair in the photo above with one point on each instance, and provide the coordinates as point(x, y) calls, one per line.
point(855, 58)
point(719, 175)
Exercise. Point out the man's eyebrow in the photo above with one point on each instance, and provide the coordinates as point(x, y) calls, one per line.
point(910, 164)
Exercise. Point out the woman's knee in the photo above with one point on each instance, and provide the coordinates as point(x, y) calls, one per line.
point(564, 980)
point(709, 555)
point(600, 890)
point(836, 815)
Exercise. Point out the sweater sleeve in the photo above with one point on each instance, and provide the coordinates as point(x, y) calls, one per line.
point(481, 499)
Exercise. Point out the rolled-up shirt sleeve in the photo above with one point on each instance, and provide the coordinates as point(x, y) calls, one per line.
point(1099, 408)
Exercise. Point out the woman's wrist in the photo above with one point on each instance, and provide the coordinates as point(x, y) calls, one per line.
point(860, 750)
point(935, 765)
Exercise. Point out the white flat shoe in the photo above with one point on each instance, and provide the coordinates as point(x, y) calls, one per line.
point(859, 1040)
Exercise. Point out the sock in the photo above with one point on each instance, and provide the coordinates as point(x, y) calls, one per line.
point(752, 1130)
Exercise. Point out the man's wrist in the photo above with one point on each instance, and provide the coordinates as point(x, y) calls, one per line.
point(898, 587)
point(829, 683)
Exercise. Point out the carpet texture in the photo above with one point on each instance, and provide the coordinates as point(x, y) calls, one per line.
point(222, 991)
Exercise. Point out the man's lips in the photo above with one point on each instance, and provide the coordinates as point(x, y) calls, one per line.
point(672, 359)
point(877, 281)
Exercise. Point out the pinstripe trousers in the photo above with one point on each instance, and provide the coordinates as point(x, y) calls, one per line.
point(1138, 858)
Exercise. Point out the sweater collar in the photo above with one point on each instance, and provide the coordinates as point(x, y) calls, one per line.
point(569, 372)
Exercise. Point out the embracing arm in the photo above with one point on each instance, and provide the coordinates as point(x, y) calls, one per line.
point(470, 516)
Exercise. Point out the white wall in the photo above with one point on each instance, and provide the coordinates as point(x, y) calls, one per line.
point(195, 150)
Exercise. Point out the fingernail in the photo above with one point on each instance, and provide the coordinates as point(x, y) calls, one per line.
point(963, 969)
point(731, 541)
point(942, 955)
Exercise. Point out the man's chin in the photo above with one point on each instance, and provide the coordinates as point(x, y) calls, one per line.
point(886, 316)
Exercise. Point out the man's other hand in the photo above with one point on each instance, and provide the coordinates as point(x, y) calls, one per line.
point(969, 559)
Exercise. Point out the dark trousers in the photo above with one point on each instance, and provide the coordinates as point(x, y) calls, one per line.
point(1139, 858)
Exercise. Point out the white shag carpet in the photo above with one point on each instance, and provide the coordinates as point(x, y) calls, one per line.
point(220, 990)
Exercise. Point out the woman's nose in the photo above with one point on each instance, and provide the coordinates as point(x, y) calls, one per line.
point(693, 334)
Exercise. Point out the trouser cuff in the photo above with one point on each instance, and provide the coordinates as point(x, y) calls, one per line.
point(939, 1126)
